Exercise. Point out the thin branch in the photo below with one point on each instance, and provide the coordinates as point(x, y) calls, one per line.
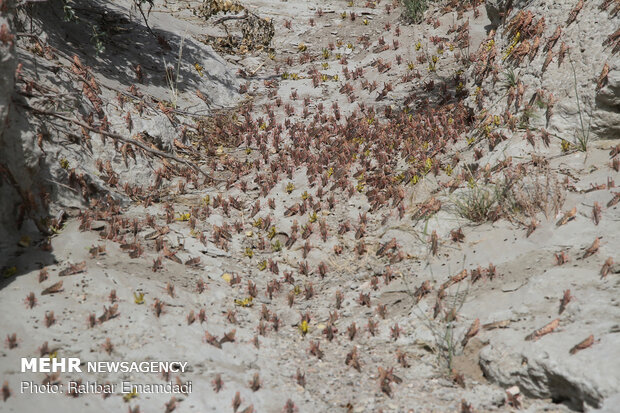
point(139, 5)
point(119, 138)
point(233, 17)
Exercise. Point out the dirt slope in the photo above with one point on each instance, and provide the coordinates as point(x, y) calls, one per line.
point(361, 215)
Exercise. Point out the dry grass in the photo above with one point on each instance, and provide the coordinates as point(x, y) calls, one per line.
point(542, 193)
point(515, 196)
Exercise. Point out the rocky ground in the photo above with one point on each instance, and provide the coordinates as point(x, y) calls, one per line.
point(318, 206)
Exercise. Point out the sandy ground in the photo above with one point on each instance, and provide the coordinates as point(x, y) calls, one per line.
point(522, 295)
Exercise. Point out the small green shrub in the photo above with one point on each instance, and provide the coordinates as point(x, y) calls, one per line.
point(475, 204)
point(414, 10)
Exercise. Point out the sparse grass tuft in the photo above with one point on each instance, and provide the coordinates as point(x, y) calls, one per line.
point(582, 136)
point(476, 204)
point(443, 328)
point(172, 76)
point(510, 79)
point(541, 193)
point(444, 336)
point(414, 10)
point(515, 197)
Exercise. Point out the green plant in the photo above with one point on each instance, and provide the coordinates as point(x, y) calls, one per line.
point(96, 36)
point(475, 203)
point(442, 327)
point(510, 79)
point(96, 39)
point(69, 12)
point(414, 10)
point(482, 203)
point(515, 196)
